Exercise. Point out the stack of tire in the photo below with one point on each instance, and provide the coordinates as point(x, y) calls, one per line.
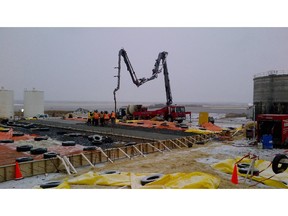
point(99, 140)
point(24, 148)
point(33, 151)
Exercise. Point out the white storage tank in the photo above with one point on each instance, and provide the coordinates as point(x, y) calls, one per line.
point(6, 104)
point(33, 103)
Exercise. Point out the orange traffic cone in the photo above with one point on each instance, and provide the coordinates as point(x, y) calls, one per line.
point(18, 174)
point(234, 178)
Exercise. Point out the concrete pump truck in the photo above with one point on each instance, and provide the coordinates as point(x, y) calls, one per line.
point(169, 112)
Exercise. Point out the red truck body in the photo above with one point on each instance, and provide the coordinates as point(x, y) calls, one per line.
point(169, 113)
point(275, 125)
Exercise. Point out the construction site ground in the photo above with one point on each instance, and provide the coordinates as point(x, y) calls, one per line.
point(199, 158)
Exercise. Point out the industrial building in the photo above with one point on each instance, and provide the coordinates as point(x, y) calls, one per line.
point(6, 104)
point(33, 103)
point(271, 92)
point(271, 106)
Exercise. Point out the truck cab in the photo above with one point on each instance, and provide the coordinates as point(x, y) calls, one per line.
point(176, 113)
point(121, 112)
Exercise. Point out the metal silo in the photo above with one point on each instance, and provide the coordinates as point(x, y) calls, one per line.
point(6, 104)
point(271, 92)
point(33, 103)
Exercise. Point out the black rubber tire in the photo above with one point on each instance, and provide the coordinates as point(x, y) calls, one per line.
point(245, 170)
point(7, 141)
point(48, 155)
point(97, 138)
point(151, 178)
point(89, 148)
point(40, 138)
point(50, 184)
point(16, 134)
point(68, 143)
point(95, 142)
point(29, 126)
point(24, 148)
point(243, 165)
point(9, 123)
point(18, 125)
point(24, 159)
point(130, 144)
point(38, 151)
point(276, 162)
point(200, 143)
point(109, 172)
point(40, 129)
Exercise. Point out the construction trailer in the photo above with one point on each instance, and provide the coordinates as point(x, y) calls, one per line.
point(275, 125)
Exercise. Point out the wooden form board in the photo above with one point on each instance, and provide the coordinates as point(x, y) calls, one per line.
point(39, 167)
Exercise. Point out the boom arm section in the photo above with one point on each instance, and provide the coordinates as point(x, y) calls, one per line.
point(138, 82)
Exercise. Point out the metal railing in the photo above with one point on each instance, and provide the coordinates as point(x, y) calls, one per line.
point(271, 73)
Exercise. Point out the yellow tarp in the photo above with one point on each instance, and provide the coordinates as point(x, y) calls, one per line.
point(278, 181)
point(133, 180)
point(198, 131)
point(187, 180)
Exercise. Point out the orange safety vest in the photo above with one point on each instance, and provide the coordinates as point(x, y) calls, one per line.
point(113, 115)
point(106, 116)
point(96, 115)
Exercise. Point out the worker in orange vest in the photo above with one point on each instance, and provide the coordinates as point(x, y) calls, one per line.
point(106, 118)
point(101, 118)
point(113, 117)
point(96, 118)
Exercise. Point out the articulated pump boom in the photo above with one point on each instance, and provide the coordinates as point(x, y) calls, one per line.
point(138, 82)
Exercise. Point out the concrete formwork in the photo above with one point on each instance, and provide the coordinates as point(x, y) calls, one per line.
point(51, 165)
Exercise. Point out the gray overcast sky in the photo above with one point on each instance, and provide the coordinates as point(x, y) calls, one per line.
point(204, 64)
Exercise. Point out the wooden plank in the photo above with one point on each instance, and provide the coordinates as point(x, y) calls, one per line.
point(175, 143)
point(189, 140)
point(138, 150)
point(155, 147)
point(195, 140)
point(65, 165)
point(124, 153)
point(100, 149)
point(87, 159)
point(182, 143)
point(70, 164)
point(165, 146)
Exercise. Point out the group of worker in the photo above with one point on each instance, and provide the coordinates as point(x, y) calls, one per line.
point(101, 118)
